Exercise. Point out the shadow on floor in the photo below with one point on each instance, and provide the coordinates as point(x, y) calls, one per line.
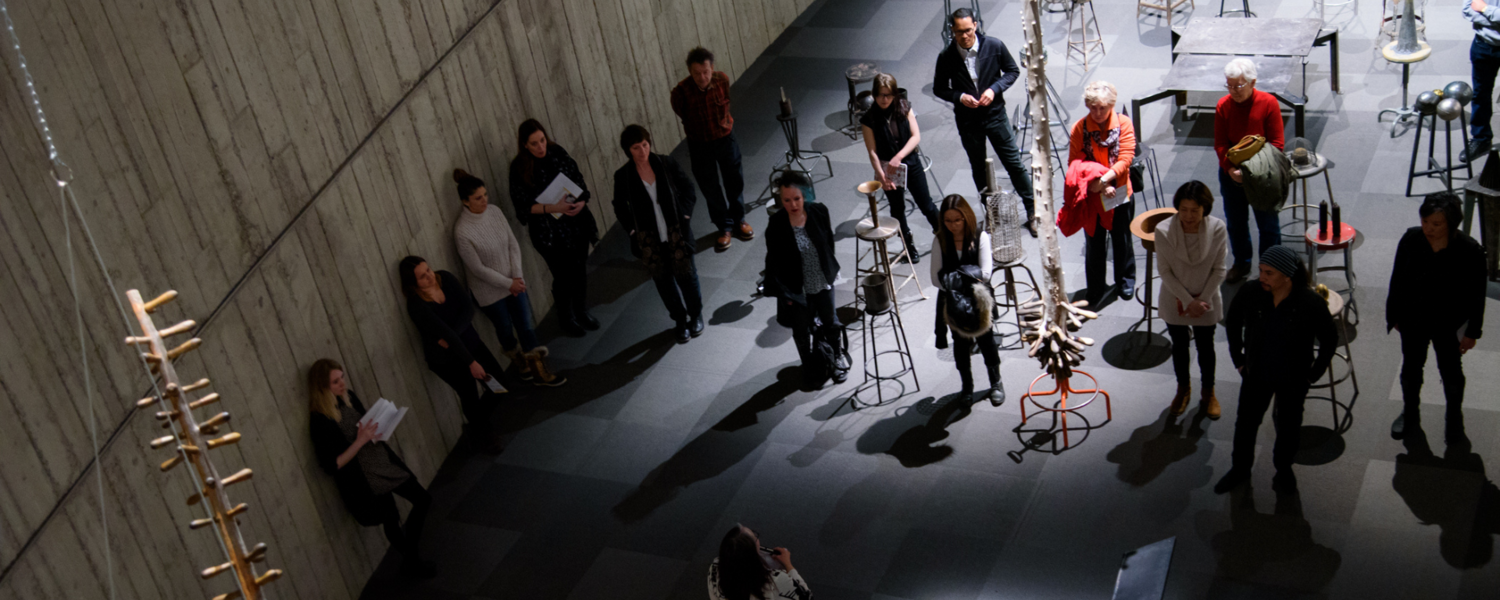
point(516, 413)
point(1279, 544)
point(1151, 448)
point(910, 433)
point(1453, 493)
point(722, 446)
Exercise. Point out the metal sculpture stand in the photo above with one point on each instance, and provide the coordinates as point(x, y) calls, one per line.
point(870, 352)
point(192, 446)
point(1085, 45)
point(877, 231)
point(859, 102)
point(795, 154)
point(1405, 50)
point(1318, 164)
point(1063, 388)
point(1439, 170)
point(1143, 349)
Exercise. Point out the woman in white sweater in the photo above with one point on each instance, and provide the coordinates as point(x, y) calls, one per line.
point(1190, 250)
point(492, 260)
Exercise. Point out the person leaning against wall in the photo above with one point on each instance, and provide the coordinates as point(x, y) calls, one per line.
point(654, 201)
point(492, 260)
point(1191, 246)
point(563, 231)
point(368, 473)
point(443, 311)
point(701, 100)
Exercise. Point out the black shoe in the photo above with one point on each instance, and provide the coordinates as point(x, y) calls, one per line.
point(996, 395)
point(695, 325)
point(1031, 225)
point(587, 321)
point(682, 332)
point(1475, 149)
point(1284, 482)
point(840, 375)
point(1400, 426)
point(417, 568)
point(1237, 273)
point(570, 327)
point(1231, 480)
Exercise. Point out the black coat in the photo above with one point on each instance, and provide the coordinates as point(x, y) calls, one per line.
point(549, 234)
point(1276, 342)
point(329, 442)
point(674, 192)
point(1438, 290)
point(996, 69)
point(784, 259)
point(457, 330)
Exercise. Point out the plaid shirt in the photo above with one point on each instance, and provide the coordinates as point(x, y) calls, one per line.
point(704, 114)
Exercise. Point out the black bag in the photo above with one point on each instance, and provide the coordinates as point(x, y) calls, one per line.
point(830, 349)
point(789, 314)
point(968, 307)
point(1138, 173)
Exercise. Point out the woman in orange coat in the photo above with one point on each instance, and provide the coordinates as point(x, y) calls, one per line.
point(1108, 138)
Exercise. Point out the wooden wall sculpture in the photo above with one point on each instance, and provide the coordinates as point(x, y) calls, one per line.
point(281, 156)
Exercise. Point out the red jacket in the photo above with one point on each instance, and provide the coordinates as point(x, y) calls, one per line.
point(1260, 115)
point(1079, 206)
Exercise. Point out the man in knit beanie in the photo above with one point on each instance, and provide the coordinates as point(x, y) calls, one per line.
point(1273, 325)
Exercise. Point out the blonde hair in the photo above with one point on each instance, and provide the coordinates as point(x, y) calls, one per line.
point(321, 399)
point(1100, 92)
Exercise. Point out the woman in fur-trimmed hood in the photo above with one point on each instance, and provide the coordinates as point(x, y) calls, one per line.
point(961, 266)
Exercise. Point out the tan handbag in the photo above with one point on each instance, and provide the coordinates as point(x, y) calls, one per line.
point(1248, 147)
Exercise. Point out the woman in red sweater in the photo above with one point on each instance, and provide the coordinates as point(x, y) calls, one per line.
point(1245, 111)
point(1108, 138)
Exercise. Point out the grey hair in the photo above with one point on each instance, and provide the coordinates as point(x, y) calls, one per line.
point(1240, 67)
point(1100, 92)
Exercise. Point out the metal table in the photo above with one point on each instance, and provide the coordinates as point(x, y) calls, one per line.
point(1259, 38)
point(1205, 73)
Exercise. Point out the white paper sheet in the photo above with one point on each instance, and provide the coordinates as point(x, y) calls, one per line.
point(386, 417)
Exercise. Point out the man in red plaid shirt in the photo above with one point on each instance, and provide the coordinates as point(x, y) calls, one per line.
point(702, 102)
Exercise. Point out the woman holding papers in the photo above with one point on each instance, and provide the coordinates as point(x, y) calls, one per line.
point(366, 470)
point(443, 311)
point(552, 201)
point(891, 138)
point(492, 259)
point(1108, 138)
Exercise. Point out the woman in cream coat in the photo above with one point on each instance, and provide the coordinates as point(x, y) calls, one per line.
point(1190, 250)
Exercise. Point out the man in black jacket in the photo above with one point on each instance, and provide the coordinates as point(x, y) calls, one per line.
point(972, 73)
point(1437, 286)
point(1272, 329)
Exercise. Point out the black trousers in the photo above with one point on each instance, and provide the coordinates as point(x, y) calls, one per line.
point(390, 518)
point(820, 305)
point(963, 348)
point(1095, 251)
point(1414, 342)
point(570, 280)
point(1203, 335)
point(714, 159)
point(916, 183)
point(456, 374)
point(996, 128)
point(680, 291)
point(1256, 395)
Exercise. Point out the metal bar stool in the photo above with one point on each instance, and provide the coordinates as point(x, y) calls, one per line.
point(1244, 9)
point(876, 260)
point(1003, 221)
point(1143, 226)
point(1336, 374)
point(1316, 164)
point(1403, 56)
point(875, 303)
point(795, 154)
point(1440, 170)
point(1165, 6)
point(859, 101)
point(1341, 240)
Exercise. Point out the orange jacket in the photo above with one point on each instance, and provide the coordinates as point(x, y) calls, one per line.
point(1100, 154)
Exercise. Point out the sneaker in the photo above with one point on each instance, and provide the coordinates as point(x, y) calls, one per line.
point(695, 325)
point(1475, 149)
point(723, 242)
point(744, 232)
point(1231, 480)
point(1237, 273)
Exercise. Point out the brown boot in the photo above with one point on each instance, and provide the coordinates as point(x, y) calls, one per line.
point(1180, 401)
point(1210, 404)
point(543, 376)
point(520, 362)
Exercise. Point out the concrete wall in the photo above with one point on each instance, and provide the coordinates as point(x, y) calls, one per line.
point(272, 160)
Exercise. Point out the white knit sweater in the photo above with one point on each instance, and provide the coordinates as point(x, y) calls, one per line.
point(1191, 271)
point(491, 255)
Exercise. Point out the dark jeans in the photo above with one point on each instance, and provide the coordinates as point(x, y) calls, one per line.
point(821, 306)
point(679, 289)
point(963, 348)
point(996, 128)
point(710, 160)
point(1414, 342)
point(1203, 335)
point(512, 314)
point(1256, 395)
point(916, 183)
point(390, 517)
point(570, 280)
point(455, 373)
point(1237, 219)
point(1124, 247)
point(1485, 60)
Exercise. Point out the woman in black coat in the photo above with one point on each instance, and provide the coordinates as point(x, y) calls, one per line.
point(801, 268)
point(443, 311)
point(368, 472)
point(653, 201)
point(561, 232)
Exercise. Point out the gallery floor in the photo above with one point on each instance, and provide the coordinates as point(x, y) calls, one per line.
point(620, 484)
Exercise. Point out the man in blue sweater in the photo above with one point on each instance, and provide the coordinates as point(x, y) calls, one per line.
point(972, 73)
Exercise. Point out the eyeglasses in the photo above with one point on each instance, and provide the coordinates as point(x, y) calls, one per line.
point(885, 95)
point(1235, 88)
point(963, 31)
